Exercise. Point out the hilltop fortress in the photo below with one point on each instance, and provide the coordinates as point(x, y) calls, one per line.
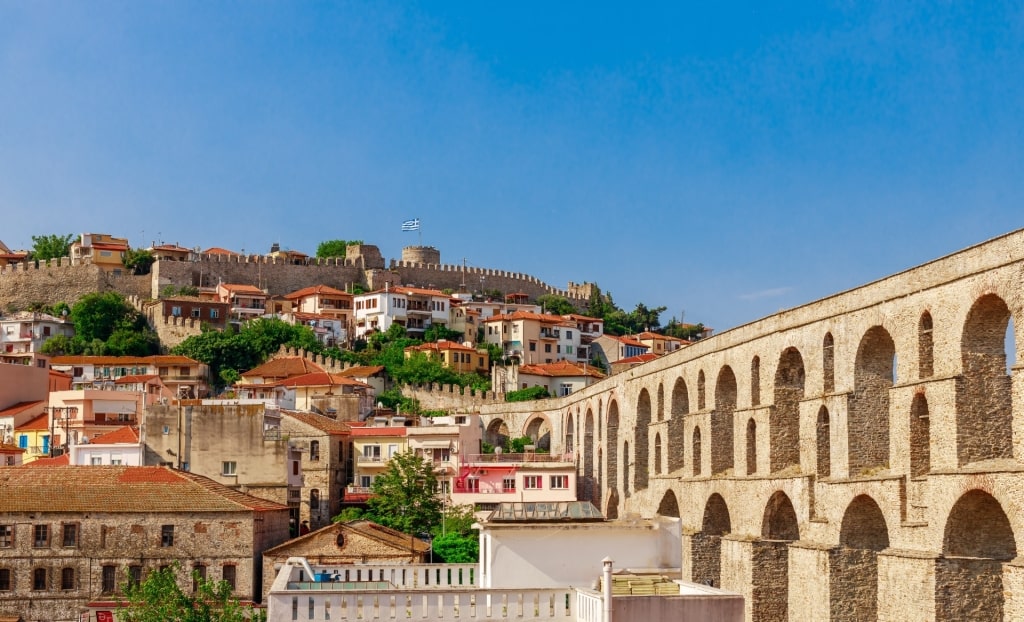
point(22, 285)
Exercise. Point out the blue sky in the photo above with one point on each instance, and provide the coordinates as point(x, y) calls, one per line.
point(726, 160)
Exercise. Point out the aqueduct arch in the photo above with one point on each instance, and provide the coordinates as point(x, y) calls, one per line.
point(865, 410)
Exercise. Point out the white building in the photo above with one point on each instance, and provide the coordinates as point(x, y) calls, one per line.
point(23, 334)
point(414, 308)
point(123, 446)
point(538, 562)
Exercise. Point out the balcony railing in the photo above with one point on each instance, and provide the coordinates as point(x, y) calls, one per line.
point(371, 459)
point(525, 457)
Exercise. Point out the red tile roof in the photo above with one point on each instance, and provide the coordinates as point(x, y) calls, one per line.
point(361, 371)
point(439, 346)
point(378, 431)
point(20, 407)
point(7, 448)
point(127, 434)
point(120, 489)
point(560, 369)
point(545, 318)
point(321, 290)
point(639, 358)
point(42, 422)
point(216, 250)
point(243, 289)
point(131, 379)
point(284, 367)
point(321, 379)
point(320, 422)
point(63, 460)
point(627, 340)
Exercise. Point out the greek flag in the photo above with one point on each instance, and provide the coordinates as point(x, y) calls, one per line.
point(411, 225)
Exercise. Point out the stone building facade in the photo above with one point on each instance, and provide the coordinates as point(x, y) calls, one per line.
point(855, 458)
point(71, 536)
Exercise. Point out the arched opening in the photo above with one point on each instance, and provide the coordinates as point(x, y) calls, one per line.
point(755, 381)
point(751, 447)
point(969, 576)
point(599, 486)
point(661, 402)
point(588, 483)
point(770, 563)
point(722, 423)
point(669, 506)
point(570, 437)
point(677, 426)
point(925, 363)
point(984, 399)
point(497, 433)
point(657, 454)
point(828, 363)
point(600, 414)
point(824, 443)
point(701, 402)
point(868, 406)
point(612, 446)
point(784, 422)
point(920, 437)
point(641, 466)
point(696, 457)
point(625, 470)
point(853, 565)
point(612, 511)
point(539, 431)
point(706, 552)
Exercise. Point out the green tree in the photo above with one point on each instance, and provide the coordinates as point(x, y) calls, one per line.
point(527, 394)
point(454, 548)
point(437, 332)
point(51, 246)
point(159, 598)
point(138, 260)
point(348, 514)
point(105, 324)
point(556, 305)
point(334, 248)
point(404, 496)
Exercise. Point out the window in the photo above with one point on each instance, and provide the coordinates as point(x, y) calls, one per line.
point(95, 460)
point(314, 450)
point(295, 467)
point(568, 334)
point(533, 346)
point(134, 575)
point(565, 389)
point(196, 312)
point(46, 331)
point(365, 481)
point(508, 484)
point(109, 579)
point(314, 499)
point(532, 482)
point(71, 534)
point(229, 467)
point(214, 314)
point(115, 461)
point(472, 485)
point(547, 347)
point(41, 536)
point(228, 574)
point(167, 430)
point(371, 452)
point(167, 535)
point(67, 579)
point(176, 311)
point(559, 482)
point(6, 536)
point(198, 574)
point(39, 579)
point(5, 580)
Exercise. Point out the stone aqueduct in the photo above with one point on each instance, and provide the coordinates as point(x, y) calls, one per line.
point(860, 457)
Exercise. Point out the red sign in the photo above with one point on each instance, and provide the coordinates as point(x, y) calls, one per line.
point(104, 616)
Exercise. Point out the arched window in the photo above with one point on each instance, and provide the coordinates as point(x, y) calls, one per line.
point(697, 468)
point(925, 365)
point(828, 363)
point(314, 450)
point(314, 499)
point(751, 447)
point(755, 381)
point(700, 391)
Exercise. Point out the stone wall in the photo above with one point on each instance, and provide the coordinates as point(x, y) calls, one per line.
point(22, 285)
point(886, 415)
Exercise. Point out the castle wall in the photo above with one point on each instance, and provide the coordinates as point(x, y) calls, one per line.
point(22, 285)
point(906, 413)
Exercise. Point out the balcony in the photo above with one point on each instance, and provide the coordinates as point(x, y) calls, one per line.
point(371, 460)
point(548, 333)
point(524, 457)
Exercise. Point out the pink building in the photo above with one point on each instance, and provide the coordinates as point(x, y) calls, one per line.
point(485, 480)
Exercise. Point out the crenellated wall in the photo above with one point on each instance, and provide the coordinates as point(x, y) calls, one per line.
point(22, 285)
point(859, 457)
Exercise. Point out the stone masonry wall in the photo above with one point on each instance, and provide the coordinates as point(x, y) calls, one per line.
point(23, 285)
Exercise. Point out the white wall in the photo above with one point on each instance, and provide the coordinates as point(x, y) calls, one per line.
point(569, 555)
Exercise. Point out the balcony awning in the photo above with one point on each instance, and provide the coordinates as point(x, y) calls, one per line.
point(436, 444)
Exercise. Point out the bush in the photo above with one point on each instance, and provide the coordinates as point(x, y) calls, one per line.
point(525, 395)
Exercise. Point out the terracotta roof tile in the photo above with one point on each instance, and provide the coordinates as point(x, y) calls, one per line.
point(127, 434)
point(378, 431)
point(321, 379)
point(119, 489)
point(361, 371)
point(284, 367)
point(559, 369)
point(322, 290)
point(42, 422)
point(63, 460)
point(216, 250)
point(20, 407)
point(320, 422)
point(243, 289)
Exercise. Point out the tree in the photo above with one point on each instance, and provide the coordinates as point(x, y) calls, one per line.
point(528, 394)
point(51, 246)
point(160, 598)
point(556, 305)
point(404, 496)
point(334, 248)
point(138, 260)
point(105, 324)
point(455, 541)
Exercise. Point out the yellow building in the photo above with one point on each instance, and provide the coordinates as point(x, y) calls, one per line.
point(372, 446)
point(34, 437)
point(454, 356)
point(101, 250)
